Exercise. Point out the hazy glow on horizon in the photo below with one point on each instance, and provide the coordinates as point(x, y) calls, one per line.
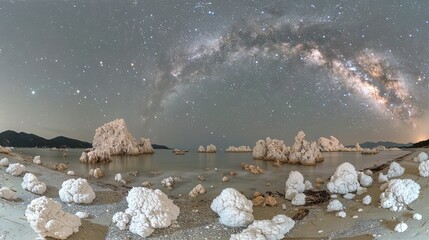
point(189, 73)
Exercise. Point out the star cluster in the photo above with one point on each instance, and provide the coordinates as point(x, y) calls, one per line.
point(223, 72)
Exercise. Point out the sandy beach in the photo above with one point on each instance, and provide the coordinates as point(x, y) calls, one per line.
point(198, 221)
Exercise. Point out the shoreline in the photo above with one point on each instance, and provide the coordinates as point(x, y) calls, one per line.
point(196, 219)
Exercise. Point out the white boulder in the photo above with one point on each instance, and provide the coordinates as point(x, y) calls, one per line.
point(113, 138)
point(367, 200)
point(382, 178)
point(344, 180)
point(32, 184)
point(96, 172)
point(401, 227)
point(421, 157)
point(211, 148)
point(395, 170)
point(15, 169)
point(417, 216)
point(76, 190)
point(334, 206)
point(82, 215)
point(399, 193)
point(48, 220)
point(201, 149)
point(330, 145)
point(168, 182)
point(7, 194)
point(364, 180)
point(147, 210)
point(341, 214)
point(197, 190)
point(37, 160)
point(424, 168)
point(4, 162)
point(298, 199)
point(234, 209)
point(294, 184)
point(304, 152)
point(349, 196)
point(273, 229)
point(118, 177)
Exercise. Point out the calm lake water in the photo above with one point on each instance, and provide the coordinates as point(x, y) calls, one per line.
point(192, 164)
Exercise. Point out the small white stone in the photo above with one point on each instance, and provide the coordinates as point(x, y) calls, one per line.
point(349, 196)
point(355, 216)
point(82, 215)
point(417, 216)
point(401, 227)
point(320, 231)
point(341, 214)
point(284, 206)
point(360, 210)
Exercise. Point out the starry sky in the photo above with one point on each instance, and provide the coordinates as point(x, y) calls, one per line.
point(188, 73)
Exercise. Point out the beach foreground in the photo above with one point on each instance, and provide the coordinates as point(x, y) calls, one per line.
point(198, 221)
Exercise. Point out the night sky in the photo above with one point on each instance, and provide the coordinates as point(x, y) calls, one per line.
point(189, 73)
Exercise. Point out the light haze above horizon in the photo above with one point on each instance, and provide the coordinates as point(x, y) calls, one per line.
point(190, 73)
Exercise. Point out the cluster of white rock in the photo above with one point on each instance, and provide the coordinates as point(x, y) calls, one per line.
point(48, 220)
point(234, 209)
point(209, 149)
point(32, 184)
point(275, 228)
point(330, 145)
point(422, 158)
point(15, 169)
point(5, 150)
point(76, 190)
point(238, 149)
point(395, 170)
point(295, 186)
point(113, 138)
point(44, 214)
point(301, 152)
point(399, 193)
point(147, 210)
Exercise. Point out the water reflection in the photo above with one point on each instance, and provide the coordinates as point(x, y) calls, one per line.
point(193, 163)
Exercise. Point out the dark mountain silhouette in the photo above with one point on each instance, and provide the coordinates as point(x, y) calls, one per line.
point(11, 138)
point(387, 144)
point(421, 144)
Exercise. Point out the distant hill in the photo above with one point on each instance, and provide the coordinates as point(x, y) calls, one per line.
point(387, 144)
point(13, 139)
point(421, 144)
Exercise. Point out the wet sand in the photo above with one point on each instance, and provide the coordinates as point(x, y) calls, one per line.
point(198, 221)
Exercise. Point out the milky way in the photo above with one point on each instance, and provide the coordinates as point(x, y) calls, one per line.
point(369, 74)
point(226, 72)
